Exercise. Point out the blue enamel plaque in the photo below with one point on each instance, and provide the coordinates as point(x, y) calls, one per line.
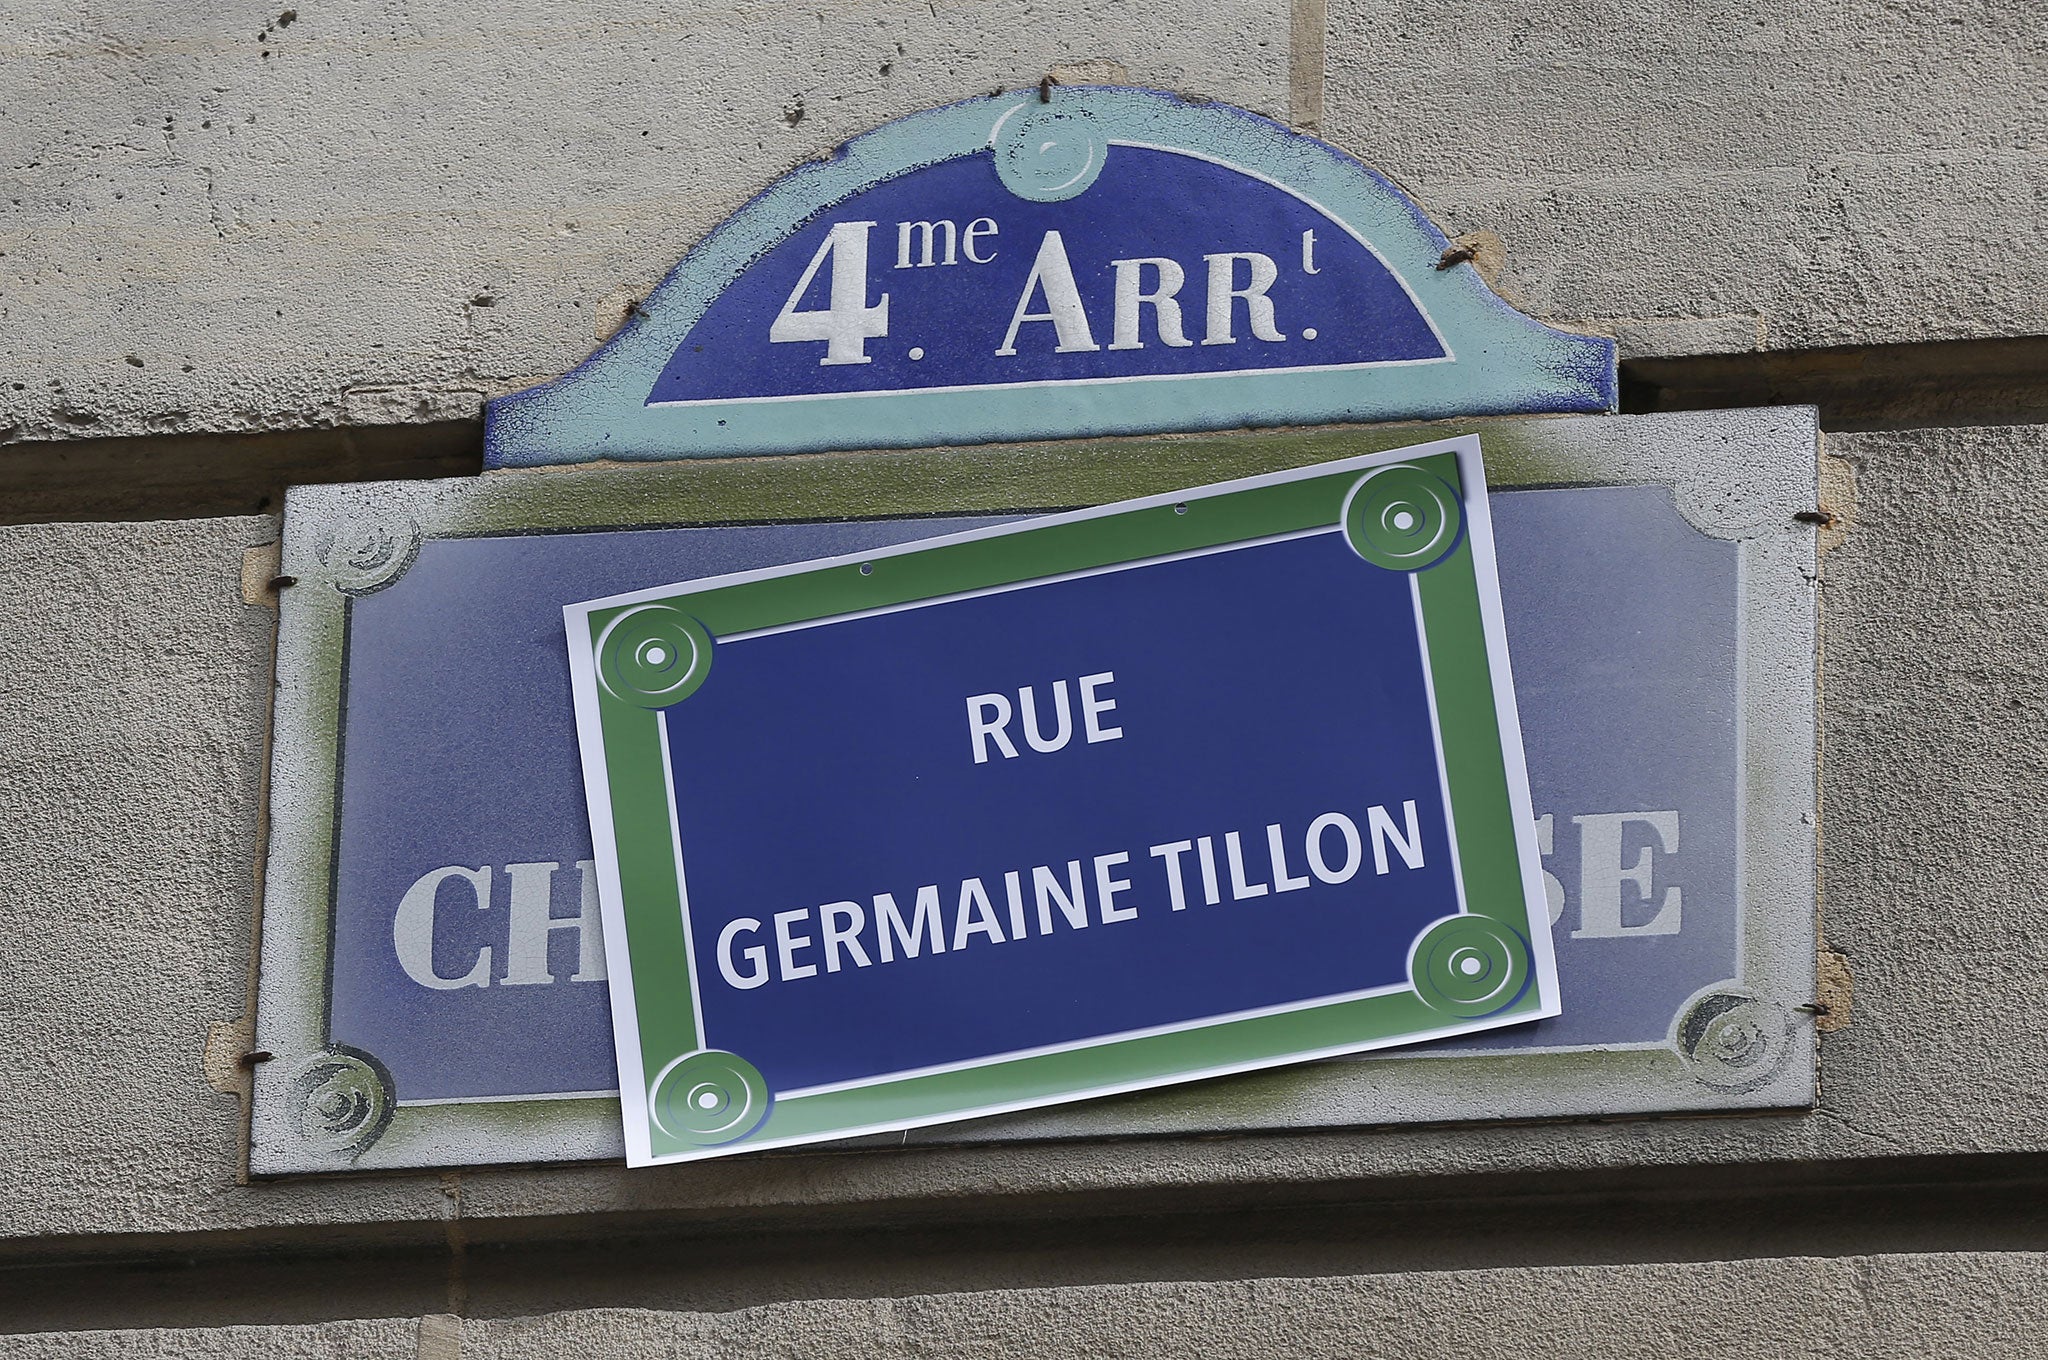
point(1094, 261)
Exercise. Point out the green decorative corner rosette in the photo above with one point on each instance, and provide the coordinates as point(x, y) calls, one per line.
point(653, 656)
point(1469, 965)
point(1403, 517)
point(708, 1098)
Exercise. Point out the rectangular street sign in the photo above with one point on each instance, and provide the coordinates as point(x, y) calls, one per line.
point(1172, 788)
point(434, 979)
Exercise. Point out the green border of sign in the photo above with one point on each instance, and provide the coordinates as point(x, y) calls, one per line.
point(633, 655)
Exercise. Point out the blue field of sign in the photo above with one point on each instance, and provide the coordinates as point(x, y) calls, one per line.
point(985, 317)
point(1258, 688)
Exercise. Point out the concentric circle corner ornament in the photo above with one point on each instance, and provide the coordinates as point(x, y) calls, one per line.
point(653, 656)
point(343, 1100)
point(709, 1097)
point(1403, 517)
point(368, 549)
point(1733, 1040)
point(1469, 966)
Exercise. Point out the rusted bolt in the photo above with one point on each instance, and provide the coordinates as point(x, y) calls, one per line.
point(1045, 88)
point(280, 582)
point(1824, 518)
point(251, 1058)
point(1456, 255)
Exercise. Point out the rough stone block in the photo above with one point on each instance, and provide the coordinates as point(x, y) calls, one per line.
point(1838, 173)
point(230, 219)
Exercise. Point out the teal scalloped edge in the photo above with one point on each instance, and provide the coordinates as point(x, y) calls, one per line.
point(1506, 363)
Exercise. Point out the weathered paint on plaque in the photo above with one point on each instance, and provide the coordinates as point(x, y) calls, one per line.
point(1097, 261)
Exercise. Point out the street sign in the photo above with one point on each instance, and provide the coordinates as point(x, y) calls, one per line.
point(1172, 788)
point(1660, 613)
point(1066, 263)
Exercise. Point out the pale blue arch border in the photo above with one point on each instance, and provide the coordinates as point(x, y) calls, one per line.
point(1505, 363)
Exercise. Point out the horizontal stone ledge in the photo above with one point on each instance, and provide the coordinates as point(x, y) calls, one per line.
point(1921, 1303)
point(198, 474)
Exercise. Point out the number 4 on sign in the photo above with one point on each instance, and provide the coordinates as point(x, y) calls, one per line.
point(847, 323)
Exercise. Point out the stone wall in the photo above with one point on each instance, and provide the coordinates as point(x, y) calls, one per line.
point(233, 219)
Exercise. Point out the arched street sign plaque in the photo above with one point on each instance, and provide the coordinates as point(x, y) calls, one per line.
point(1088, 262)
